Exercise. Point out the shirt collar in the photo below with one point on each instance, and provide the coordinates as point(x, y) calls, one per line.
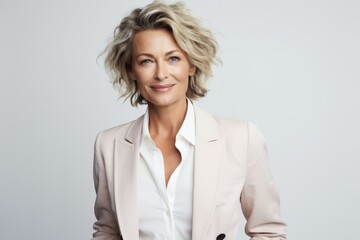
point(187, 129)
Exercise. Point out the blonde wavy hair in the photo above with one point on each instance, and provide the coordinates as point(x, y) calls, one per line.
point(195, 40)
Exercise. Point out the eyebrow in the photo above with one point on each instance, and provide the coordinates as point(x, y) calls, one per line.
point(151, 55)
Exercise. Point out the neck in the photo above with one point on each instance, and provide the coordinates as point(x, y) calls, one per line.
point(166, 121)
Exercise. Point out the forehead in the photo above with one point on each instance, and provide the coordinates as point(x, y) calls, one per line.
point(154, 41)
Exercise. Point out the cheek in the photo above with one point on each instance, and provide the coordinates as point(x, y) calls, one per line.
point(142, 75)
point(140, 84)
point(140, 87)
point(182, 73)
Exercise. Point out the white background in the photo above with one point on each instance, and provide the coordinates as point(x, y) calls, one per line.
point(291, 67)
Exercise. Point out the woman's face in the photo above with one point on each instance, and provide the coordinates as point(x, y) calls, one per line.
point(160, 68)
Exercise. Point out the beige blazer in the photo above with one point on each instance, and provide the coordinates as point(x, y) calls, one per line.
point(230, 174)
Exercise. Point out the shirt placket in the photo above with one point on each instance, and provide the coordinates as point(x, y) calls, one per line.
point(160, 182)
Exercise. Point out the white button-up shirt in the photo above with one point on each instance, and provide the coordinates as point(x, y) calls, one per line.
point(166, 213)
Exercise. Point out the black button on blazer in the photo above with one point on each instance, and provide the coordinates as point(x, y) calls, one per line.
point(221, 236)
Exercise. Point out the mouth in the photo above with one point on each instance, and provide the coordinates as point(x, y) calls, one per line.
point(162, 87)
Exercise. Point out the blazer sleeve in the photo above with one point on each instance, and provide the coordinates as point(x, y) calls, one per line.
point(105, 226)
point(259, 198)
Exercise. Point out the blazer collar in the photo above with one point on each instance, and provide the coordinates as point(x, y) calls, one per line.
point(205, 125)
point(133, 133)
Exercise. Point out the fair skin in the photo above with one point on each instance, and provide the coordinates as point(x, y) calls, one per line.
point(161, 70)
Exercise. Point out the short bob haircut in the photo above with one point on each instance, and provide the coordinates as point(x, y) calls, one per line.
point(196, 41)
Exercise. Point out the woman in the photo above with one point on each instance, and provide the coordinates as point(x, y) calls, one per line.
point(177, 172)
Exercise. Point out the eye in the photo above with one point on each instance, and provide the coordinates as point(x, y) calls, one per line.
point(174, 59)
point(145, 61)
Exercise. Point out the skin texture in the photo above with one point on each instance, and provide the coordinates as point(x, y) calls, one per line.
point(161, 70)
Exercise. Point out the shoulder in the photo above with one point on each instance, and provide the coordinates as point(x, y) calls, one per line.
point(246, 128)
point(242, 136)
point(230, 123)
point(228, 126)
point(240, 128)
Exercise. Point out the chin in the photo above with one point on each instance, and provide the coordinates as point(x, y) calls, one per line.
point(164, 102)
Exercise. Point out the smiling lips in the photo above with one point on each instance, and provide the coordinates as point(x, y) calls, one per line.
point(162, 87)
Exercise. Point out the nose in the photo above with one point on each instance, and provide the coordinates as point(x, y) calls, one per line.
point(162, 71)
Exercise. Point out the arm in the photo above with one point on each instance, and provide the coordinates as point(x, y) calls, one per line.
point(106, 226)
point(259, 199)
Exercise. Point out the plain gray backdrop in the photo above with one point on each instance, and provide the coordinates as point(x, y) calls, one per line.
point(291, 67)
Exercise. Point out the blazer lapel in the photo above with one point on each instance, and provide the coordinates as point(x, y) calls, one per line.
point(209, 154)
point(126, 180)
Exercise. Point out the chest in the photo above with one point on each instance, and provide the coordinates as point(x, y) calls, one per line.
point(166, 202)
